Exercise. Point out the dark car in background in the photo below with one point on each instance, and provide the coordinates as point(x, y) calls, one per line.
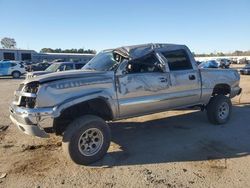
point(243, 60)
point(56, 67)
point(198, 62)
point(38, 66)
point(245, 70)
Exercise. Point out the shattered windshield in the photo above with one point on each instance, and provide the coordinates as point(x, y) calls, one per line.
point(53, 67)
point(104, 61)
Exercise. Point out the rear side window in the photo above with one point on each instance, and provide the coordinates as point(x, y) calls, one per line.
point(177, 60)
point(13, 64)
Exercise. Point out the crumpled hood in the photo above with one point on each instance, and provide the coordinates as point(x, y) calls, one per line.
point(69, 75)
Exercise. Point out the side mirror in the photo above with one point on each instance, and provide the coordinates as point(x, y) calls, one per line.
point(162, 67)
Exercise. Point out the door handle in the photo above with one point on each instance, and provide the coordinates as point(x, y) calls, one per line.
point(191, 77)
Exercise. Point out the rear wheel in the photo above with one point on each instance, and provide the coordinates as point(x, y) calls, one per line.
point(16, 74)
point(86, 139)
point(219, 109)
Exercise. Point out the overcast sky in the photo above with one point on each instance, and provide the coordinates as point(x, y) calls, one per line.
point(204, 26)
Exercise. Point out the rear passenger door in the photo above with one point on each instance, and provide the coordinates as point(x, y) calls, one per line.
point(185, 79)
point(6, 68)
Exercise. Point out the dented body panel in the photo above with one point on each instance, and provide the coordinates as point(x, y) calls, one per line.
point(126, 94)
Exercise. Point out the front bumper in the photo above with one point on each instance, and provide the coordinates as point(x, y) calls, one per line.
point(27, 120)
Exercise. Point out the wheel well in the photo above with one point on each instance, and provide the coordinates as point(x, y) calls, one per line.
point(222, 89)
point(98, 107)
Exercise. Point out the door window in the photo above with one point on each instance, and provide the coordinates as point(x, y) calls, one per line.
point(6, 65)
point(146, 64)
point(68, 67)
point(79, 65)
point(65, 67)
point(13, 64)
point(177, 60)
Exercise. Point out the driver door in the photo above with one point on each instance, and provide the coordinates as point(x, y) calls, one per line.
point(142, 86)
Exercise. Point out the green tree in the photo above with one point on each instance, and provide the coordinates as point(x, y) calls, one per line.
point(73, 50)
point(7, 42)
point(47, 50)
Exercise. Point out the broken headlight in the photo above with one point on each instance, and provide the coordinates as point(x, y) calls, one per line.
point(31, 87)
point(29, 98)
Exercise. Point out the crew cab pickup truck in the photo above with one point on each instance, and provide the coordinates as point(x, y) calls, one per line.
point(117, 84)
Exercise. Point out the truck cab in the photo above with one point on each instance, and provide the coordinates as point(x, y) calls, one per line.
point(163, 79)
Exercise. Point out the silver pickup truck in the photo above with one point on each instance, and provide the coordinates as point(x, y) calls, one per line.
point(116, 84)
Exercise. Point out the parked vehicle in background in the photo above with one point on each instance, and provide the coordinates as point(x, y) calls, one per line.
point(242, 61)
point(39, 66)
point(58, 60)
point(233, 60)
point(224, 63)
point(42, 65)
point(26, 65)
point(57, 67)
point(245, 70)
point(116, 84)
point(11, 68)
point(198, 62)
point(209, 64)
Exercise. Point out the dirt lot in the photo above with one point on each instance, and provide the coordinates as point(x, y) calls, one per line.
point(170, 149)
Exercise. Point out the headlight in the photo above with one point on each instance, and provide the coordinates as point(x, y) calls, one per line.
point(31, 87)
point(29, 101)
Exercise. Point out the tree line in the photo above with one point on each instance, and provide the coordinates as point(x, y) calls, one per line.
point(7, 42)
point(235, 53)
point(73, 50)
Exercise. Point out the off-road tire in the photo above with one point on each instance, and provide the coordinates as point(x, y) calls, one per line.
point(215, 109)
point(73, 136)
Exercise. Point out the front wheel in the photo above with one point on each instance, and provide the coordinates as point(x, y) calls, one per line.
point(86, 139)
point(219, 109)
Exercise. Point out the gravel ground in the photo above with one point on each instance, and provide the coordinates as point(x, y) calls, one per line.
point(170, 149)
